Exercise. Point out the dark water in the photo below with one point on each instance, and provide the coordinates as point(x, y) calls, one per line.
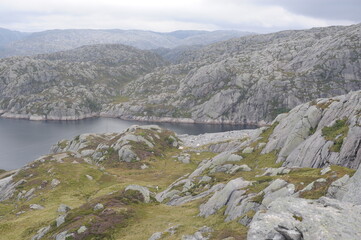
point(23, 141)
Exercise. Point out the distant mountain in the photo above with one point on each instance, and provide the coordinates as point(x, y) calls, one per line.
point(8, 36)
point(60, 40)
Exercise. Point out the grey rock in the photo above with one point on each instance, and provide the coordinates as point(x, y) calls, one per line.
point(222, 168)
point(36, 207)
point(276, 171)
point(240, 204)
point(63, 208)
point(291, 234)
point(237, 168)
point(41, 233)
point(8, 187)
point(89, 177)
point(82, 229)
point(177, 200)
point(127, 155)
point(350, 192)
point(143, 190)
point(29, 194)
point(204, 233)
point(184, 158)
point(156, 236)
point(98, 206)
point(60, 220)
point(334, 218)
point(337, 187)
point(205, 179)
point(220, 198)
point(271, 196)
point(63, 235)
point(325, 170)
point(248, 150)
point(54, 183)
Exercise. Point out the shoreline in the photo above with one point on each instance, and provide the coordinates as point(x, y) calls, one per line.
point(153, 119)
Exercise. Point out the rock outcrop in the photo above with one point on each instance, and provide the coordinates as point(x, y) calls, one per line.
point(320, 133)
point(132, 145)
point(296, 219)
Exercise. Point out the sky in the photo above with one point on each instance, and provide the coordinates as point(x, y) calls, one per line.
point(259, 16)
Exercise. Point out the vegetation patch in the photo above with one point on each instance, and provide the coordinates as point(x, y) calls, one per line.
point(101, 224)
point(258, 198)
point(336, 133)
point(120, 99)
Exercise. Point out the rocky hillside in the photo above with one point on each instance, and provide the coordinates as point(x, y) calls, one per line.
point(266, 183)
point(71, 84)
point(60, 40)
point(249, 79)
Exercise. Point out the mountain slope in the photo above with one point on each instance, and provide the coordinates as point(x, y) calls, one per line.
point(70, 85)
point(249, 79)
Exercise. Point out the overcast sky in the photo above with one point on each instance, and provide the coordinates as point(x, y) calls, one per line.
point(168, 15)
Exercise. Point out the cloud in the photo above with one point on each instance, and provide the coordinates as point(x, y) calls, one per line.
point(167, 15)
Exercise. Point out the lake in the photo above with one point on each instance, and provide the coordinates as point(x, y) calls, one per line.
point(22, 141)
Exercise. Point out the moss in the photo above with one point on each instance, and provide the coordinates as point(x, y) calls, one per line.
point(312, 131)
point(336, 133)
point(63, 144)
point(260, 184)
point(258, 198)
point(298, 218)
point(250, 213)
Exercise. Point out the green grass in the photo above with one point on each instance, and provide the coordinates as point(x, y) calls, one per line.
point(336, 133)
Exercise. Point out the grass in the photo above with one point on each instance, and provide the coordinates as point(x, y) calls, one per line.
point(303, 176)
point(74, 190)
point(159, 217)
point(120, 99)
point(336, 133)
point(127, 215)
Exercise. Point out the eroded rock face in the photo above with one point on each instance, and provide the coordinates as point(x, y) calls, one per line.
point(306, 219)
point(299, 135)
point(8, 187)
point(348, 190)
